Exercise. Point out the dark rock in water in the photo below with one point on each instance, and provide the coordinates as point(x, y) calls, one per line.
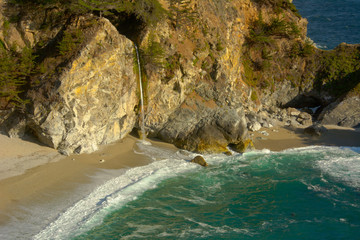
point(200, 160)
point(243, 146)
point(315, 130)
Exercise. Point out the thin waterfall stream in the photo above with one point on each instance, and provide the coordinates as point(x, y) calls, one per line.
point(142, 114)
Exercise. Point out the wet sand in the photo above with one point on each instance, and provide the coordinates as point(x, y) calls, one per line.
point(281, 138)
point(29, 169)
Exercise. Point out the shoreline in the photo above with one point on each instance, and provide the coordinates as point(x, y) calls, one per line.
point(282, 137)
point(56, 176)
point(57, 173)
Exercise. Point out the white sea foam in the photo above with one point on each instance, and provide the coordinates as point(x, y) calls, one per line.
point(341, 163)
point(91, 210)
point(321, 46)
point(344, 167)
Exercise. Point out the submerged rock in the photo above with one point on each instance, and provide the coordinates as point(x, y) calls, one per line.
point(200, 160)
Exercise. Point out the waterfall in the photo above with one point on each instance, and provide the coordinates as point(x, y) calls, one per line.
point(142, 123)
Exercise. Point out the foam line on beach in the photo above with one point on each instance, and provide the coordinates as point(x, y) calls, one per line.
point(344, 168)
point(114, 194)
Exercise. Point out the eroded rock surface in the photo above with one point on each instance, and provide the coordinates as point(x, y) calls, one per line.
point(95, 95)
point(344, 113)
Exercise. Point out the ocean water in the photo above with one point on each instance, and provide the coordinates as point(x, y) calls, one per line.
point(331, 22)
point(304, 193)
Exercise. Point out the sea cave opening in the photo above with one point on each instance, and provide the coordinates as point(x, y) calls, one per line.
point(128, 24)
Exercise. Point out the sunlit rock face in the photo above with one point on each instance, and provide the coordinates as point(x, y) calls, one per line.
point(95, 95)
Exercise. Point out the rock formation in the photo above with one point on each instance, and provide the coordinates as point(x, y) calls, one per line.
point(343, 112)
point(211, 70)
point(94, 96)
point(91, 98)
point(200, 160)
point(315, 130)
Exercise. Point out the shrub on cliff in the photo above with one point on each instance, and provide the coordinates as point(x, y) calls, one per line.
point(280, 5)
point(70, 41)
point(15, 69)
point(339, 69)
point(150, 11)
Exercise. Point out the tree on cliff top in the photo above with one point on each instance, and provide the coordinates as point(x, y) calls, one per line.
point(149, 11)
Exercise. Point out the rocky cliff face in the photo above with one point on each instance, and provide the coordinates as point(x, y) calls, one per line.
point(94, 95)
point(211, 71)
point(204, 77)
point(86, 95)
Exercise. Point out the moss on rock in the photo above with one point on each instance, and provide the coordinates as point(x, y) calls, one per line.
point(243, 146)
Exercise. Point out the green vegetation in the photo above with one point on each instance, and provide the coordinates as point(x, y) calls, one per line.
point(261, 32)
point(260, 60)
point(302, 49)
point(172, 63)
point(356, 90)
point(258, 32)
point(6, 26)
point(254, 96)
point(339, 70)
point(280, 5)
point(14, 71)
point(70, 41)
point(249, 75)
point(149, 11)
point(154, 53)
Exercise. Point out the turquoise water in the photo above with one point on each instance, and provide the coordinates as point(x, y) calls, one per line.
point(331, 22)
point(307, 193)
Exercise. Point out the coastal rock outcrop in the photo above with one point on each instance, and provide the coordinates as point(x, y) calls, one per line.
point(200, 160)
point(343, 112)
point(315, 130)
point(201, 126)
point(211, 70)
point(92, 99)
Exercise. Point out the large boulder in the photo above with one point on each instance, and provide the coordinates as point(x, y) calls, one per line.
point(92, 100)
point(202, 126)
point(199, 160)
point(344, 112)
point(13, 124)
point(315, 130)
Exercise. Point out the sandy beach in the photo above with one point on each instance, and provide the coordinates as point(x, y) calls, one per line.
point(283, 137)
point(29, 171)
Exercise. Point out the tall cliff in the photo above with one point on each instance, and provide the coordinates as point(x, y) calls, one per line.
point(211, 70)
